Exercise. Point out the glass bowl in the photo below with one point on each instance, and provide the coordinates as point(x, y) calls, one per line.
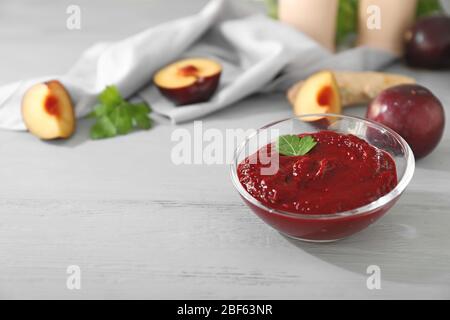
point(336, 226)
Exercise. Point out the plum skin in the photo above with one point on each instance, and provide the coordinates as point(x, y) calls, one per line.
point(427, 43)
point(414, 113)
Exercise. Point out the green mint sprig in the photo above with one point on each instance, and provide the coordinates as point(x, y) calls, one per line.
point(293, 145)
point(116, 116)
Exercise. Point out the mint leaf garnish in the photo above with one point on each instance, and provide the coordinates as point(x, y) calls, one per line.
point(293, 145)
point(116, 116)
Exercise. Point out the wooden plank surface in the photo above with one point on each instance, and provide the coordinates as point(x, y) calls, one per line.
point(141, 227)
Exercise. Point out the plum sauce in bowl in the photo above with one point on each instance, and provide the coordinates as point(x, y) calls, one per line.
point(353, 175)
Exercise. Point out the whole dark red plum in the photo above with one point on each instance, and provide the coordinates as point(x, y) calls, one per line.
point(427, 43)
point(414, 113)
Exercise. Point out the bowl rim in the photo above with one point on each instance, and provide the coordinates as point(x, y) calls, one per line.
point(366, 209)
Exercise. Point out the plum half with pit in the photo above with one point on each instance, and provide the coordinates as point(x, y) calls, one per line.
point(189, 81)
point(412, 111)
point(427, 43)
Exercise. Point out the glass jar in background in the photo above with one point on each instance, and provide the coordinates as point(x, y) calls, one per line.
point(316, 18)
point(395, 18)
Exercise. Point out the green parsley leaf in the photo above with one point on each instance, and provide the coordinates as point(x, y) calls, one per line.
point(142, 121)
point(293, 145)
point(140, 108)
point(110, 97)
point(103, 128)
point(101, 110)
point(121, 118)
point(116, 116)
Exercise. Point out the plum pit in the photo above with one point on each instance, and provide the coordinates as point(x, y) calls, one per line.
point(325, 96)
point(188, 71)
point(51, 105)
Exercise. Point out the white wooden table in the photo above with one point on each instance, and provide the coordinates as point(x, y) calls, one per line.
point(140, 227)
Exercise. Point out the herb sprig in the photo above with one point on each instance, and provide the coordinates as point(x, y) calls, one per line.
point(116, 116)
point(293, 145)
